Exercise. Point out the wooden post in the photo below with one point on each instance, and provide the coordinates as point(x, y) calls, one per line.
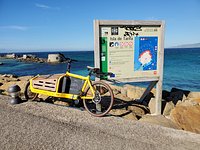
point(160, 68)
point(96, 44)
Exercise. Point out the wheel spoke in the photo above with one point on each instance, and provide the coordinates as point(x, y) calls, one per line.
point(103, 100)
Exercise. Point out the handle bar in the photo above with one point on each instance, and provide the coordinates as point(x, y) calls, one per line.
point(96, 72)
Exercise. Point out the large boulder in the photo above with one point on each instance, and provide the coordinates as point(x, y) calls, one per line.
point(159, 120)
point(152, 105)
point(168, 108)
point(8, 81)
point(138, 110)
point(116, 89)
point(122, 97)
point(165, 94)
point(194, 96)
point(176, 96)
point(8, 78)
point(187, 117)
point(126, 114)
point(135, 92)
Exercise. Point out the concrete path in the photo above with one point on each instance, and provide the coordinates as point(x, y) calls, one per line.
point(34, 125)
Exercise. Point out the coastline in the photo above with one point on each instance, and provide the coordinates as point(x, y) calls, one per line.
point(181, 109)
point(175, 75)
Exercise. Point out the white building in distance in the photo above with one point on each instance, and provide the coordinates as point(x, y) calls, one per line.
point(10, 55)
point(54, 58)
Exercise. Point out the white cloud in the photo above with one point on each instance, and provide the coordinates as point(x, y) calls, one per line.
point(42, 6)
point(15, 27)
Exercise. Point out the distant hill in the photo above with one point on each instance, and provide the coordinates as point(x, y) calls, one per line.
point(196, 45)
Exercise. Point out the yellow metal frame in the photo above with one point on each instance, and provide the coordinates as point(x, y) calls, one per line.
point(66, 95)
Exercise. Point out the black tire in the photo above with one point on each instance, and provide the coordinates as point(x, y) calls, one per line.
point(103, 101)
point(29, 96)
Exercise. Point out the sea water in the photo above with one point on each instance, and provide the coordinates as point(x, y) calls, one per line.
point(181, 67)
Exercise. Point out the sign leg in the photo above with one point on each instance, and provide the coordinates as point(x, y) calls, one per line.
point(158, 98)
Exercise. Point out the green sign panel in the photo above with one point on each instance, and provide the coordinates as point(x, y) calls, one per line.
point(104, 54)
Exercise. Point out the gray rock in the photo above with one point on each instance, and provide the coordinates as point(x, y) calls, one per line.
point(176, 96)
point(124, 91)
point(186, 92)
point(195, 95)
point(159, 120)
point(168, 108)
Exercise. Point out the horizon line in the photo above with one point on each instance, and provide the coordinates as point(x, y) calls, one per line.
point(31, 51)
point(75, 50)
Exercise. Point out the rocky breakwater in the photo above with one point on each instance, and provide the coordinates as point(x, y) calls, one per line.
point(31, 58)
point(24, 58)
point(52, 58)
point(186, 113)
point(180, 108)
point(6, 80)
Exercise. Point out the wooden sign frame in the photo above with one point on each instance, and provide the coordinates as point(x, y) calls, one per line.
point(142, 30)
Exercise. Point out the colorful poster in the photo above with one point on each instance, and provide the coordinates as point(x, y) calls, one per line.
point(145, 53)
point(129, 51)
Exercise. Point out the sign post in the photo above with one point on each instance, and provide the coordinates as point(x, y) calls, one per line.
point(133, 51)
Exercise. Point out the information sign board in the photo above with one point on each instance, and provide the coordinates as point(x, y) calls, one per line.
point(129, 49)
point(133, 51)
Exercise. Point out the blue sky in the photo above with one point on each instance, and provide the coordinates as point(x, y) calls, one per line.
point(68, 24)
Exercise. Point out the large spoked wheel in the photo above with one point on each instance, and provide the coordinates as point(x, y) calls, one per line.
point(28, 94)
point(102, 103)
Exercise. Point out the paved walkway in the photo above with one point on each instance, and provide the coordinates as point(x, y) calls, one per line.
point(39, 126)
